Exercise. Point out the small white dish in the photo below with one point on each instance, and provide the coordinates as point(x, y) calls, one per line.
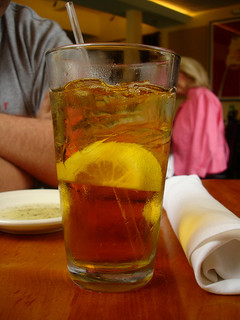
point(30, 211)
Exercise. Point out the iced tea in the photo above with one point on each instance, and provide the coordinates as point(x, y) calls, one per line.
point(112, 144)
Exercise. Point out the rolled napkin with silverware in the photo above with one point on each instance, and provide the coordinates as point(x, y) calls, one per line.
point(208, 232)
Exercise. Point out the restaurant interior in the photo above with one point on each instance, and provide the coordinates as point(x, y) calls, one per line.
point(184, 26)
point(200, 218)
point(194, 28)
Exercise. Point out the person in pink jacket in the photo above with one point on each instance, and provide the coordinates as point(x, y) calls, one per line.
point(198, 141)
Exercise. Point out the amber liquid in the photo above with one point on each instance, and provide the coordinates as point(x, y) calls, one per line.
point(106, 230)
point(106, 227)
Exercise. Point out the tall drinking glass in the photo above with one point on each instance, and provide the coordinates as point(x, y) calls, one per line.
point(112, 108)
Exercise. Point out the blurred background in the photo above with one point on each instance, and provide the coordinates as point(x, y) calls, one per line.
point(184, 26)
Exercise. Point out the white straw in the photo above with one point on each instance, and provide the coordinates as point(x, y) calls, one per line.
point(74, 23)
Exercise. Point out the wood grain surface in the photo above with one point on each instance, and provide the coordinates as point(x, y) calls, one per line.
point(34, 282)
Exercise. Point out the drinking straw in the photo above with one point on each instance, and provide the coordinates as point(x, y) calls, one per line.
point(74, 23)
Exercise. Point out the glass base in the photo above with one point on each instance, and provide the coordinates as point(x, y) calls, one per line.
point(109, 281)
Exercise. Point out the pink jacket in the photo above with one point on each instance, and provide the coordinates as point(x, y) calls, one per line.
point(199, 144)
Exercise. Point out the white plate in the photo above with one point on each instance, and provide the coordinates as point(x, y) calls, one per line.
point(23, 211)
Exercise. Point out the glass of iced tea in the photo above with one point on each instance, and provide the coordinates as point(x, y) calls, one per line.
point(112, 107)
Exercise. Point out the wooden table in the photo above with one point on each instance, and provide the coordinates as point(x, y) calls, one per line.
point(34, 283)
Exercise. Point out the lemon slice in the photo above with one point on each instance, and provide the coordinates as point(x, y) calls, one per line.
point(152, 209)
point(113, 164)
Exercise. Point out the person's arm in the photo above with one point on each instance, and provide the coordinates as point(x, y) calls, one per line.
point(45, 110)
point(28, 144)
point(13, 178)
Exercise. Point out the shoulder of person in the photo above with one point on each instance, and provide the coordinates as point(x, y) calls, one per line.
point(204, 101)
point(28, 22)
point(201, 91)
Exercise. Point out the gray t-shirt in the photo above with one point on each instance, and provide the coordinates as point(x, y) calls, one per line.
point(24, 39)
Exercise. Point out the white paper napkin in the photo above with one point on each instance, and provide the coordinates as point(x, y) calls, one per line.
point(208, 232)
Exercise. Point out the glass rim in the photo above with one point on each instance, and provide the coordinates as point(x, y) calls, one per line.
point(114, 45)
